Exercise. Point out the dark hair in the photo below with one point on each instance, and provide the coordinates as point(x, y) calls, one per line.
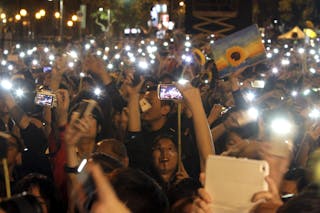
point(165, 136)
point(299, 175)
point(22, 203)
point(46, 188)
point(305, 202)
point(139, 191)
point(102, 111)
point(107, 163)
point(118, 149)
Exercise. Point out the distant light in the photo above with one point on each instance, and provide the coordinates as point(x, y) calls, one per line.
point(127, 48)
point(38, 15)
point(10, 67)
point(276, 51)
point(42, 12)
point(34, 62)
point(294, 93)
point(57, 15)
point(301, 50)
point(99, 52)
point(82, 74)
point(286, 46)
point(269, 55)
point(253, 113)
point(23, 12)
point(97, 91)
point(187, 44)
point(117, 56)
point(110, 66)
point(3, 16)
point(312, 70)
point(181, 3)
point(18, 46)
point(6, 52)
point(74, 18)
point(281, 126)
point(285, 62)
point(306, 92)
point(143, 65)
point(22, 55)
point(19, 92)
point(70, 23)
point(312, 52)
point(250, 96)
point(18, 17)
point(87, 46)
point(51, 57)
point(314, 114)
point(6, 84)
point(100, 9)
point(183, 81)
point(71, 64)
point(46, 49)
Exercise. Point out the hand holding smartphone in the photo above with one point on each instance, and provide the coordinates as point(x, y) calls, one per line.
point(45, 98)
point(169, 92)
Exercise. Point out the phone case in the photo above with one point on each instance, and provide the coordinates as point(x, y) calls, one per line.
point(232, 182)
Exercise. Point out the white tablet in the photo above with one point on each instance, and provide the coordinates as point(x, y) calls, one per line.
point(232, 182)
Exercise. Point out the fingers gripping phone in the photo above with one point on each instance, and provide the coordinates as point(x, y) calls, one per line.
point(169, 92)
point(86, 106)
point(45, 98)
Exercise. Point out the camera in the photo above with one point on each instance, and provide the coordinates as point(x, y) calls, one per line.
point(169, 92)
point(45, 98)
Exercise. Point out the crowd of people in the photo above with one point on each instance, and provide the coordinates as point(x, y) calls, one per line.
point(82, 127)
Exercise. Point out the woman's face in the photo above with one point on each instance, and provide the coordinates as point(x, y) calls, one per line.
point(165, 156)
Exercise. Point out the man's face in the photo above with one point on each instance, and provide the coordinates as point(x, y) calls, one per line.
point(165, 156)
point(154, 113)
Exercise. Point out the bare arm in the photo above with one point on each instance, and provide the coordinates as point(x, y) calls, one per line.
point(201, 126)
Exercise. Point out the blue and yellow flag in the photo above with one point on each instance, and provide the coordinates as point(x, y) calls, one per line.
point(243, 48)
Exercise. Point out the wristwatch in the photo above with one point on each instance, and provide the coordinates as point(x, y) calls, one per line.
point(69, 169)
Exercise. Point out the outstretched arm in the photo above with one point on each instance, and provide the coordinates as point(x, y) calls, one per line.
point(203, 135)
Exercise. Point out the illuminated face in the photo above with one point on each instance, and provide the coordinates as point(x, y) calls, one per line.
point(154, 113)
point(165, 156)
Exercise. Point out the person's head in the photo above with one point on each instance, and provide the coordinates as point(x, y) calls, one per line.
point(43, 189)
point(25, 203)
point(165, 156)
point(138, 191)
point(305, 202)
point(159, 109)
point(115, 149)
point(182, 195)
point(294, 181)
point(96, 122)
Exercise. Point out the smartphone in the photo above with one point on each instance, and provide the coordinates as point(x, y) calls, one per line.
point(47, 69)
point(85, 107)
point(169, 92)
point(233, 188)
point(258, 84)
point(45, 98)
